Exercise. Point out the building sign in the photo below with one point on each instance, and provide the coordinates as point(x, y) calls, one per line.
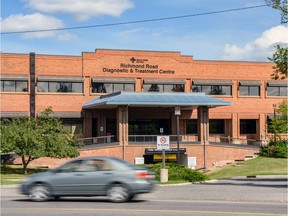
point(169, 151)
point(138, 66)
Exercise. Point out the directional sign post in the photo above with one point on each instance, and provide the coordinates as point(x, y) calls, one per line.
point(163, 143)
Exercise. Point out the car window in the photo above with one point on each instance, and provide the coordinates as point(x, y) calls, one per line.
point(102, 165)
point(71, 166)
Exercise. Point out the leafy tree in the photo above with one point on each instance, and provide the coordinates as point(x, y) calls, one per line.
point(279, 124)
point(280, 5)
point(280, 58)
point(32, 138)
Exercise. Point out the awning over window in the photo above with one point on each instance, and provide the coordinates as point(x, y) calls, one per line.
point(112, 80)
point(66, 114)
point(165, 81)
point(152, 99)
point(277, 83)
point(14, 77)
point(13, 114)
point(249, 83)
point(212, 82)
point(60, 78)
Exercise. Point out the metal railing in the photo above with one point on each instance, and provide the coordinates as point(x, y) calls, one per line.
point(184, 139)
point(153, 138)
point(97, 140)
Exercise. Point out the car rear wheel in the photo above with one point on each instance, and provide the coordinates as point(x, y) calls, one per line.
point(39, 193)
point(118, 193)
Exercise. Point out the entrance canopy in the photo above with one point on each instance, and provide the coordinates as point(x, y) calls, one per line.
point(152, 99)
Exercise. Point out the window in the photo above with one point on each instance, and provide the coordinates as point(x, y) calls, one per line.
point(65, 87)
point(216, 126)
point(14, 86)
point(73, 126)
point(277, 90)
point(213, 89)
point(249, 90)
point(111, 87)
point(163, 87)
point(248, 126)
point(191, 126)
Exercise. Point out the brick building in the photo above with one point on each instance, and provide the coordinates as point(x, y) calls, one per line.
point(32, 82)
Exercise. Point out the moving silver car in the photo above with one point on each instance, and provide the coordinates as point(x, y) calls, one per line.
point(119, 180)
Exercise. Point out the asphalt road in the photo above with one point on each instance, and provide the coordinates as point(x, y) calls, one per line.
point(239, 196)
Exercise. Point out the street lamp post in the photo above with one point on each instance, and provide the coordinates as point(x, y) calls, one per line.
point(177, 114)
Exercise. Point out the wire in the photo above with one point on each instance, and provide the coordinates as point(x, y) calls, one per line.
point(134, 22)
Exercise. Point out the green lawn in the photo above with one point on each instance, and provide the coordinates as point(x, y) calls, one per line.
point(14, 174)
point(254, 167)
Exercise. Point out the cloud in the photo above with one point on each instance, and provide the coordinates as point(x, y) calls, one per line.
point(82, 9)
point(36, 21)
point(30, 22)
point(259, 49)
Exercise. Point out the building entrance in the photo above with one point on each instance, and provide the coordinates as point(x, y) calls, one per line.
point(150, 127)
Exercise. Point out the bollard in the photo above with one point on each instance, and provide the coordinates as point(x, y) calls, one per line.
point(164, 175)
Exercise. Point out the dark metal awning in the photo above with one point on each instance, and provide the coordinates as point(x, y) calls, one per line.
point(60, 78)
point(250, 83)
point(152, 99)
point(277, 83)
point(165, 81)
point(112, 80)
point(14, 77)
point(212, 82)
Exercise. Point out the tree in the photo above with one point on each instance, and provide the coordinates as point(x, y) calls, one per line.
point(281, 61)
point(280, 5)
point(280, 56)
point(279, 124)
point(32, 138)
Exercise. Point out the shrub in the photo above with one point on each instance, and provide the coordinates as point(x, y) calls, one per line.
point(179, 173)
point(275, 149)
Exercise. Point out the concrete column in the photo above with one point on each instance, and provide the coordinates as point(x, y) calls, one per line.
point(87, 123)
point(203, 124)
point(122, 119)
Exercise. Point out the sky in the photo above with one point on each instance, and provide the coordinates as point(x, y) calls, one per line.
point(241, 35)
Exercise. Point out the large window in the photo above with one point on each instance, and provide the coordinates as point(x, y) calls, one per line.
point(249, 88)
point(277, 88)
point(191, 126)
point(164, 85)
point(14, 86)
point(212, 87)
point(65, 87)
point(163, 88)
point(277, 91)
point(60, 84)
point(111, 87)
point(216, 126)
point(73, 126)
point(248, 126)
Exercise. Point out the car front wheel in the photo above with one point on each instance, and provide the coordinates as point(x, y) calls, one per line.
point(39, 192)
point(118, 193)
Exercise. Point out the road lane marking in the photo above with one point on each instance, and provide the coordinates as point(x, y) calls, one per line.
point(143, 210)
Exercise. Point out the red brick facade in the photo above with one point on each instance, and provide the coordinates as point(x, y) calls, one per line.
point(161, 65)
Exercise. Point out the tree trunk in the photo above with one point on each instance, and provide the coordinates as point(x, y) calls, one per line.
point(24, 164)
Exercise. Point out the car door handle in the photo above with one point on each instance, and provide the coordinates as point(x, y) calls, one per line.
point(78, 174)
point(108, 173)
